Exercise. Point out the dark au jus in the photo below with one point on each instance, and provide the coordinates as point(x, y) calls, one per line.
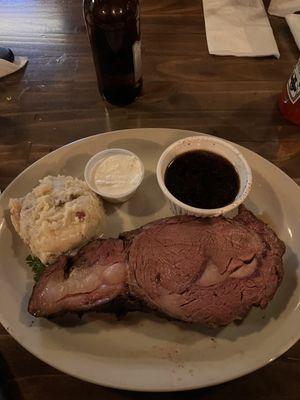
point(202, 179)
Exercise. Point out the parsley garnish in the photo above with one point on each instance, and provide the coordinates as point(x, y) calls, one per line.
point(36, 265)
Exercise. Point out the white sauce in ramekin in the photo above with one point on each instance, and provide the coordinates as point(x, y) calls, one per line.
point(116, 174)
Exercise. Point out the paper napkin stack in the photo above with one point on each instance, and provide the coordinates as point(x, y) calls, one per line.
point(238, 28)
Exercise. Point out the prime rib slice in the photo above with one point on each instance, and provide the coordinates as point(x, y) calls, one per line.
point(209, 271)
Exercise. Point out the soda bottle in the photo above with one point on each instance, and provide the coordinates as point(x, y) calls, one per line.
point(114, 32)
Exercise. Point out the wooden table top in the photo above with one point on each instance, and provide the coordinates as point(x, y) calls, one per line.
point(55, 101)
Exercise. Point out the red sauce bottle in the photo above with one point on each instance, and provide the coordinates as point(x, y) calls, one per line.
point(289, 101)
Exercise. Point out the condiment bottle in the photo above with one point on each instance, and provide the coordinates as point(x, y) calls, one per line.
point(114, 31)
point(289, 101)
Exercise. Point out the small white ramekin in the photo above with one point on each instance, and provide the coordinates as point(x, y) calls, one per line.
point(215, 145)
point(90, 170)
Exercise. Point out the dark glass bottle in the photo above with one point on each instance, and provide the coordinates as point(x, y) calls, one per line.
point(114, 31)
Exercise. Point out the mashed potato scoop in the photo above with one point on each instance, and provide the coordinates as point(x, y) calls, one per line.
point(57, 216)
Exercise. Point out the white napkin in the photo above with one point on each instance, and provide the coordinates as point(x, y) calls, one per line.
point(293, 21)
point(239, 28)
point(281, 8)
point(7, 67)
point(287, 8)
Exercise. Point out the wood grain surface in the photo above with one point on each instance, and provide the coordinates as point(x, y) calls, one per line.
point(54, 100)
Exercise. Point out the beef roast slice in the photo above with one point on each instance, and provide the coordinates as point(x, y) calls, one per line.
point(198, 270)
point(209, 271)
point(95, 276)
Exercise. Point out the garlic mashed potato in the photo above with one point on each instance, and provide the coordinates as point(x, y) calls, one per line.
point(57, 216)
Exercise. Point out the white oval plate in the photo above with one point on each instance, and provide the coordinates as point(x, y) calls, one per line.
point(144, 352)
